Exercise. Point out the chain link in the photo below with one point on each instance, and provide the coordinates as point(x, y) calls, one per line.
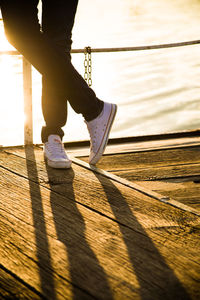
point(88, 66)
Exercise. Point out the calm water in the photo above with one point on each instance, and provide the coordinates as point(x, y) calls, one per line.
point(156, 91)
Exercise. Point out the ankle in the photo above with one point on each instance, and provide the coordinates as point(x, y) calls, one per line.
point(47, 131)
point(94, 115)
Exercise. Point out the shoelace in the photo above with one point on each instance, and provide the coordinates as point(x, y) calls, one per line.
point(92, 133)
point(56, 148)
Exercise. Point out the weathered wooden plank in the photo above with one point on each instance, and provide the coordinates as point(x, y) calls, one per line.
point(160, 172)
point(136, 144)
point(158, 165)
point(96, 253)
point(56, 177)
point(31, 263)
point(142, 222)
point(186, 192)
point(12, 287)
point(42, 176)
point(150, 172)
point(50, 258)
point(68, 233)
point(135, 160)
point(141, 146)
point(134, 186)
point(146, 159)
point(34, 169)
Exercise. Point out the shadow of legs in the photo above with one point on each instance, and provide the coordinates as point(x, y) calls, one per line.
point(41, 240)
point(86, 274)
point(157, 280)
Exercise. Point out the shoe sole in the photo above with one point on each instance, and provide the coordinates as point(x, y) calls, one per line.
point(104, 142)
point(58, 164)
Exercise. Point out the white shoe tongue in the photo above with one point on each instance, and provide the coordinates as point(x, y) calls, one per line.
point(53, 138)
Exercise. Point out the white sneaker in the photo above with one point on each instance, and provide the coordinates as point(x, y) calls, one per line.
point(55, 154)
point(99, 130)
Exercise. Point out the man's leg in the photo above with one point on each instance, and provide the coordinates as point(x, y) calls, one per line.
point(23, 32)
point(57, 24)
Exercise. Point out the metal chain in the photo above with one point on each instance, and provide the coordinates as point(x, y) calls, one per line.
point(88, 66)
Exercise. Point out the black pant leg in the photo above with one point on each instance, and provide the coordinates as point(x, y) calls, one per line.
point(57, 24)
point(58, 20)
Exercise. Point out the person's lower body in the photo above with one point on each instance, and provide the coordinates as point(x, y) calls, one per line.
point(57, 23)
point(49, 52)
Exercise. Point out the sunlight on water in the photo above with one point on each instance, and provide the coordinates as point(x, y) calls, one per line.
point(156, 91)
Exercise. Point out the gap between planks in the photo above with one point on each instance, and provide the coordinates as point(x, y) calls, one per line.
point(139, 147)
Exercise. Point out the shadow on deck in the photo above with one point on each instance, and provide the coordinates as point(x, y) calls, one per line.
point(126, 229)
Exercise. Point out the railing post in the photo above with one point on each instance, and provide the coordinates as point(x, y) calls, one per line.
point(28, 122)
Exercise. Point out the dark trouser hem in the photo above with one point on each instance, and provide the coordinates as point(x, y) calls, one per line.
point(46, 131)
point(91, 116)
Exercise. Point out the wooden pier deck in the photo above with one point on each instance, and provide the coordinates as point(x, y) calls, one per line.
point(126, 229)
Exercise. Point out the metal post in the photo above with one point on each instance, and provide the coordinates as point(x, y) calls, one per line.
point(27, 83)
